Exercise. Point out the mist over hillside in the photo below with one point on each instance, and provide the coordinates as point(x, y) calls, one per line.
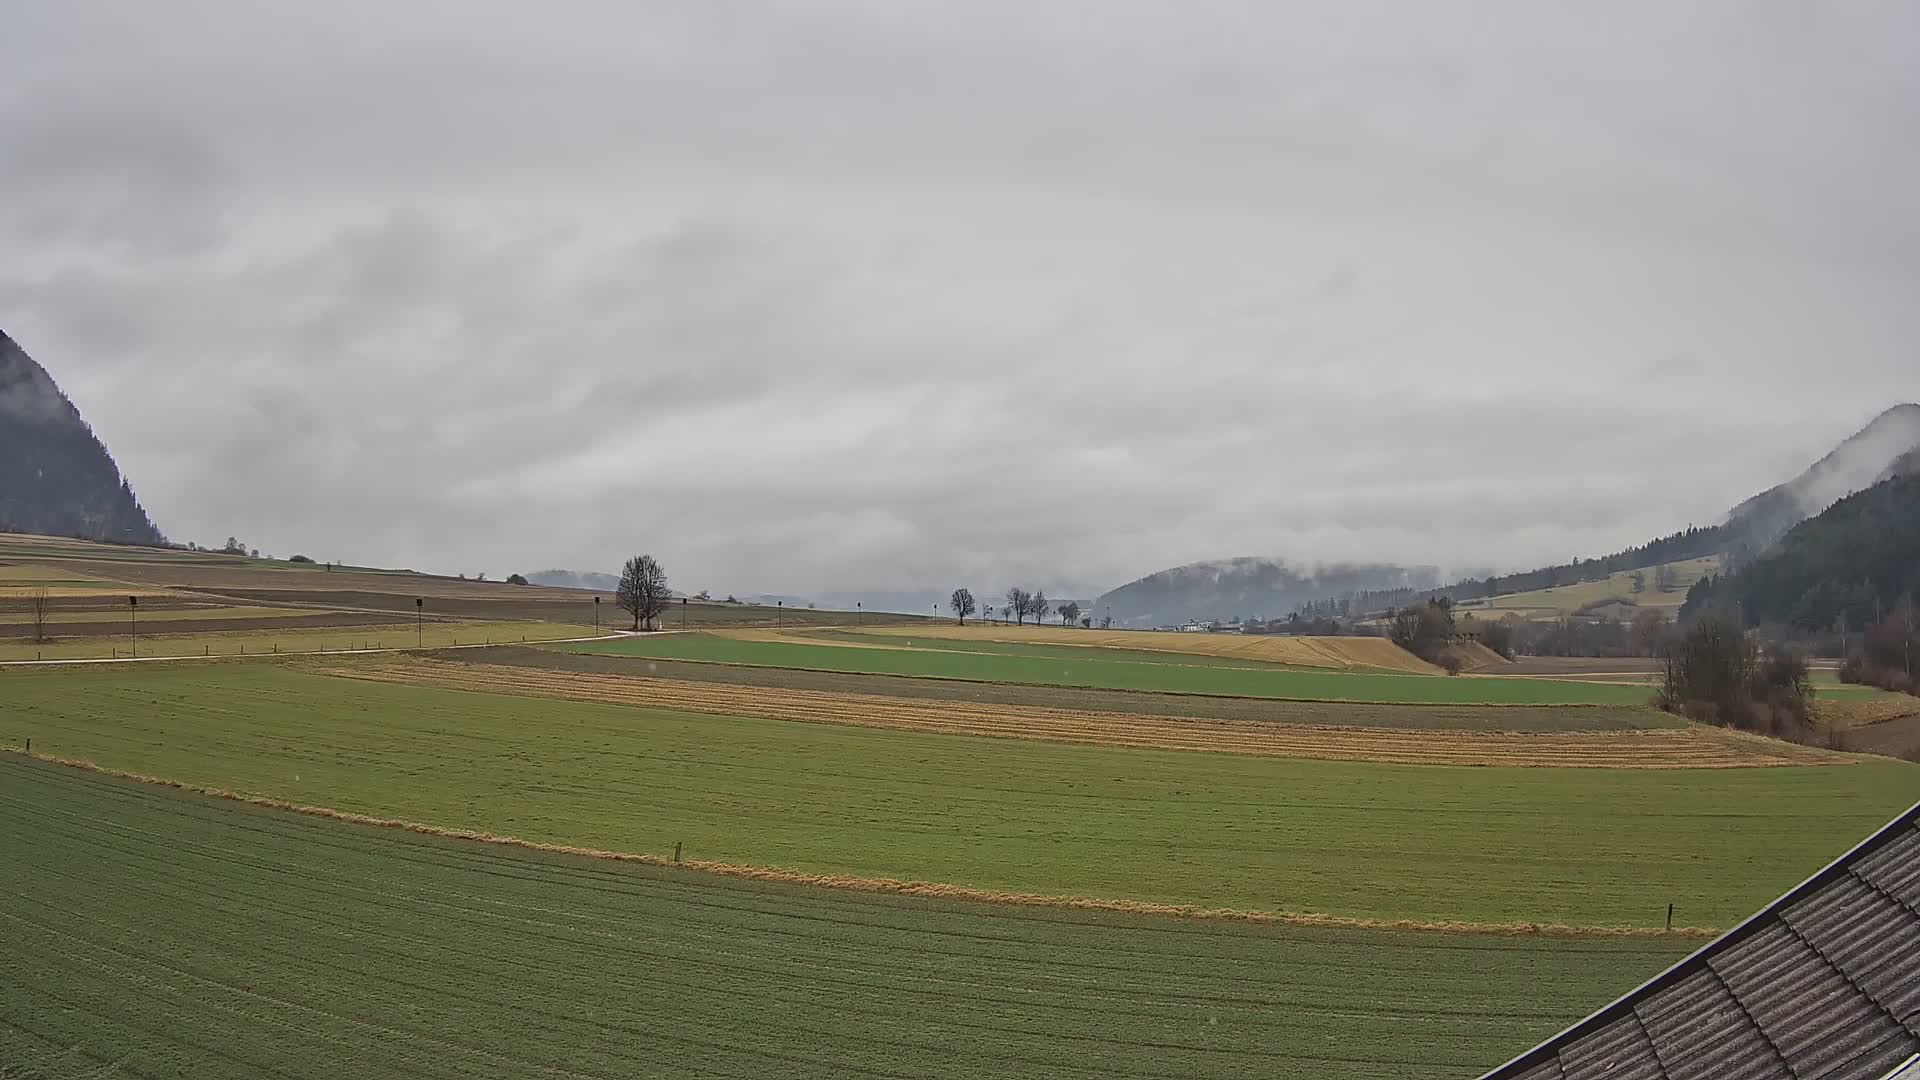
point(1247, 587)
point(1861, 460)
point(56, 477)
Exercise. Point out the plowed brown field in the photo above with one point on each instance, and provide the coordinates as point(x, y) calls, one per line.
point(1691, 747)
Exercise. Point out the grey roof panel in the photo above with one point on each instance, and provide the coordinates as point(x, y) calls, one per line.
point(1822, 984)
point(1703, 1032)
point(1896, 868)
point(1617, 1052)
point(1804, 1006)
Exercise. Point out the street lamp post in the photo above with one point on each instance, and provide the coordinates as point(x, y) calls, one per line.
point(859, 613)
point(683, 613)
point(779, 609)
point(133, 616)
point(596, 615)
point(419, 621)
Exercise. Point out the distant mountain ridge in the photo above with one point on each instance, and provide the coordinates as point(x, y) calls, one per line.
point(56, 477)
point(1248, 587)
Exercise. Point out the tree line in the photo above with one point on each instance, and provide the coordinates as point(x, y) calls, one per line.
point(1021, 605)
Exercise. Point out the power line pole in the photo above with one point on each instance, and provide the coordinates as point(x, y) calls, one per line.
point(133, 616)
point(596, 615)
point(419, 621)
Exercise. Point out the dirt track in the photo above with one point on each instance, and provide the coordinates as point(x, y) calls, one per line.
point(1692, 747)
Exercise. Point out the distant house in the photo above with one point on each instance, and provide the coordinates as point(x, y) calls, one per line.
point(1824, 982)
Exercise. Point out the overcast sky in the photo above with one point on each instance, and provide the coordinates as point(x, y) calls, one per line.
point(839, 295)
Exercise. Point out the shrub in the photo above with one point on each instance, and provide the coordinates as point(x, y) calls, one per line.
point(1714, 675)
point(1853, 669)
point(298, 558)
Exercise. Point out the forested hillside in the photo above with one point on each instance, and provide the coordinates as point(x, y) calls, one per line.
point(1853, 563)
point(56, 477)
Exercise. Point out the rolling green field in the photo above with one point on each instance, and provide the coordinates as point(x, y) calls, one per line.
point(174, 935)
point(1094, 670)
point(1048, 652)
point(1520, 718)
point(1585, 847)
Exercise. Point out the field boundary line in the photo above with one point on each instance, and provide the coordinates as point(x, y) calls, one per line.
point(895, 886)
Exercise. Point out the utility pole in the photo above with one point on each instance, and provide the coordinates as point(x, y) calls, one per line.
point(683, 613)
point(596, 615)
point(133, 616)
point(419, 621)
point(859, 613)
point(779, 609)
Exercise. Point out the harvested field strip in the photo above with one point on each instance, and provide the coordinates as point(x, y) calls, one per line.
point(148, 614)
point(188, 639)
point(1333, 652)
point(187, 936)
point(1354, 839)
point(1853, 712)
point(1093, 671)
point(1692, 747)
point(1425, 717)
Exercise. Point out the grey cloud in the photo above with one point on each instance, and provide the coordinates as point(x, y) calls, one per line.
point(823, 297)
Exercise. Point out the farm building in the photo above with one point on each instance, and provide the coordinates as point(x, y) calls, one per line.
point(1823, 983)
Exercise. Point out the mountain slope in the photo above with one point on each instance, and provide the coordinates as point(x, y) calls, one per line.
point(1889, 444)
point(56, 478)
point(1858, 558)
point(1865, 457)
point(1247, 587)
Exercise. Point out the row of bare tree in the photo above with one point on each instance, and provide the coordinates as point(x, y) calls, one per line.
point(1021, 604)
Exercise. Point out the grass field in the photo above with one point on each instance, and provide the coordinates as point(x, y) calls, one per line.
point(170, 642)
point(1092, 670)
point(1693, 746)
point(1520, 718)
point(1483, 845)
point(1567, 599)
point(174, 935)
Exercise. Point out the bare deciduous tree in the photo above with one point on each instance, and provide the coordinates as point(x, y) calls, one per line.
point(643, 590)
point(1019, 601)
point(962, 604)
point(1069, 612)
point(1037, 606)
point(37, 612)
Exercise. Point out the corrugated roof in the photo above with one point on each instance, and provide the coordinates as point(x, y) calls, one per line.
point(1822, 984)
